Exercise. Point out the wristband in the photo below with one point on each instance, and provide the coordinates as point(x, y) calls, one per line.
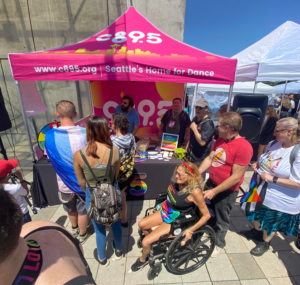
point(189, 231)
point(22, 181)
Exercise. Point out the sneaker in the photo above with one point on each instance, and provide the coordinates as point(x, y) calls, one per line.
point(75, 231)
point(216, 252)
point(118, 254)
point(83, 239)
point(104, 262)
point(253, 234)
point(138, 265)
point(260, 248)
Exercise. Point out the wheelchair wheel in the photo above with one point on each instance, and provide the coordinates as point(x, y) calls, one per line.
point(154, 271)
point(139, 242)
point(195, 253)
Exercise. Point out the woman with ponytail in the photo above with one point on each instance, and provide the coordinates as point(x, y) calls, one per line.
point(183, 193)
point(97, 154)
point(274, 204)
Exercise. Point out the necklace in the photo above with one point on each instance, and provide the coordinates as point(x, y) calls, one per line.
point(128, 113)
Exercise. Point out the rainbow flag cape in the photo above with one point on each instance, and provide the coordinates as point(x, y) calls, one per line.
point(61, 145)
point(254, 196)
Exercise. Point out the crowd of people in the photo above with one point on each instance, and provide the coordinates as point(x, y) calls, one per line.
point(101, 167)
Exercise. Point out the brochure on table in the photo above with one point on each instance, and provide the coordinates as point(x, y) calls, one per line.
point(169, 141)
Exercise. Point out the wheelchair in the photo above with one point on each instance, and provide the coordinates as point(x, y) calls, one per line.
point(179, 259)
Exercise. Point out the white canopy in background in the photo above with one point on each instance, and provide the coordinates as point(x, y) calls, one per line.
point(292, 87)
point(217, 95)
point(275, 57)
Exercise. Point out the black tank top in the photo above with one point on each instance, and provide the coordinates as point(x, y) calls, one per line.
point(178, 201)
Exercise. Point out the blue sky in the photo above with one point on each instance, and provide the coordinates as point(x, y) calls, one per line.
point(226, 27)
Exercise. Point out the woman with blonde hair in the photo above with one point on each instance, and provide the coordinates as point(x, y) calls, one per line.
point(286, 105)
point(267, 131)
point(184, 191)
point(275, 186)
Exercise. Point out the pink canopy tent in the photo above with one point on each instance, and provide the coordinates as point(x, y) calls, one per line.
point(130, 49)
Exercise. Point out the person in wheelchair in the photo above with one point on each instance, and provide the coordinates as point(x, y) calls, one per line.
point(182, 195)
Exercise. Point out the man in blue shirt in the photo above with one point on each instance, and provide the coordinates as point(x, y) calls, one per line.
point(132, 115)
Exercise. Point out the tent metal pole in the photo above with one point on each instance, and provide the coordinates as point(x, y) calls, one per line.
point(283, 96)
point(184, 96)
point(229, 98)
point(255, 86)
point(25, 122)
point(79, 99)
point(91, 98)
point(194, 102)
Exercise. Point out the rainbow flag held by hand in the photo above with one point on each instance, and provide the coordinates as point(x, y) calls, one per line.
point(254, 196)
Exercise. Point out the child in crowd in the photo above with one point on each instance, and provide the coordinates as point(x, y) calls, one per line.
point(18, 191)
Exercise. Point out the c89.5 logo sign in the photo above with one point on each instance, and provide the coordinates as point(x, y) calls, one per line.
point(136, 36)
point(146, 108)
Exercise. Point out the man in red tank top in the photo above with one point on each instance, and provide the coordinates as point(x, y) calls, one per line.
point(228, 162)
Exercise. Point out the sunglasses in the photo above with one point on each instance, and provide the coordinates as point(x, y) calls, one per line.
point(219, 126)
point(180, 174)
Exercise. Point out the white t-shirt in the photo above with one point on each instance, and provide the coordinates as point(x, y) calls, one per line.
point(18, 192)
point(293, 105)
point(276, 161)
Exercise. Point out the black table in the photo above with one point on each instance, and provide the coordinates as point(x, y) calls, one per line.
point(153, 177)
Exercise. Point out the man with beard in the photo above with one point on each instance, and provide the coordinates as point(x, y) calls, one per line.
point(132, 115)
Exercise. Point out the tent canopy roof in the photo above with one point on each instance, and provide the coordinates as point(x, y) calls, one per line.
point(275, 57)
point(130, 49)
point(238, 87)
point(292, 87)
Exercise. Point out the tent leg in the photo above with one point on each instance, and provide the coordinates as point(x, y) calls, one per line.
point(229, 98)
point(91, 98)
point(255, 87)
point(25, 122)
point(184, 97)
point(194, 102)
point(79, 99)
point(283, 96)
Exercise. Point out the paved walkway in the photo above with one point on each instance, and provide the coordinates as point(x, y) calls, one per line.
point(235, 265)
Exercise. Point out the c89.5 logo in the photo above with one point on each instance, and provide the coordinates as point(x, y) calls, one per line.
point(136, 36)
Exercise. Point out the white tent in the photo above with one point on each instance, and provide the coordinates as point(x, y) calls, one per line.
point(292, 87)
point(217, 95)
point(275, 57)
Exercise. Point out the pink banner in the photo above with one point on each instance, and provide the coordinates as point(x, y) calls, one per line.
point(151, 100)
point(130, 49)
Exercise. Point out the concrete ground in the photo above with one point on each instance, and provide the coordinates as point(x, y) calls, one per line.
point(235, 265)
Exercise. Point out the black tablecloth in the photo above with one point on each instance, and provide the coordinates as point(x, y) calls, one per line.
point(153, 177)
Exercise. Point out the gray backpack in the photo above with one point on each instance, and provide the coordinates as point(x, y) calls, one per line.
point(105, 207)
point(293, 153)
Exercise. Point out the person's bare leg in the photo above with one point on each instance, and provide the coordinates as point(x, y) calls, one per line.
point(150, 222)
point(268, 238)
point(257, 225)
point(124, 207)
point(162, 229)
point(83, 223)
point(73, 216)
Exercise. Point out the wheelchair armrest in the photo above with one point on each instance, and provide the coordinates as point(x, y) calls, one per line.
point(161, 195)
point(185, 218)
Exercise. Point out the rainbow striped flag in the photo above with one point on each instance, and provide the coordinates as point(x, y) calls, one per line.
point(61, 144)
